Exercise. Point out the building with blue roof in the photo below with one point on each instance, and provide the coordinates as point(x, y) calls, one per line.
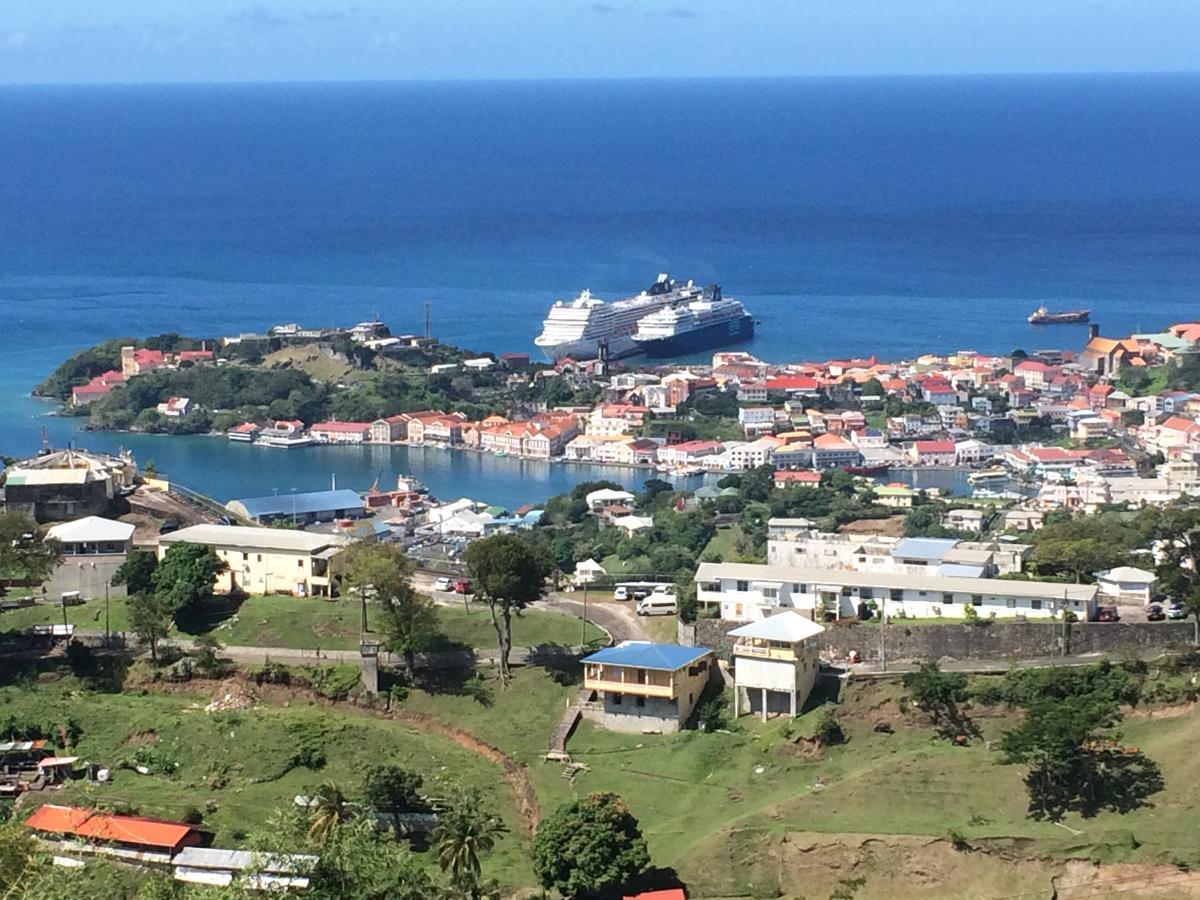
point(922, 551)
point(644, 687)
point(303, 509)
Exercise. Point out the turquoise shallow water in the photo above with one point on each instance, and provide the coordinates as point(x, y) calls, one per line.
point(852, 215)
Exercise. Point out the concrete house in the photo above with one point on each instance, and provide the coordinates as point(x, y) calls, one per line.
point(1127, 584)
point(264, 560)
point(92, 550)
point(775, 664)
point(639, 686)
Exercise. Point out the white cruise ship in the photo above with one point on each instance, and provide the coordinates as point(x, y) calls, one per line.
point(712, 321)
point(578, 327)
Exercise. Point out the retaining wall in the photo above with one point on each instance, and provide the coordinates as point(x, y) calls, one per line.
point(993, 640)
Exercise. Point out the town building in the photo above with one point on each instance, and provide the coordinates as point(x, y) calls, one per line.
point(639, 686)
point(832, 451)
point(775, 664)
point(67, 484)
point(264, 560)
point(302, 509)
point(1127, 584)
point(92, 549)
point(389, 430)
point(747, 592)
point(341, 432)
point(73, 830)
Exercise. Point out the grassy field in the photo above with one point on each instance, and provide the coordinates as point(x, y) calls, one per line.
point(235, 762)
point(309, 623)
point(708, 803)
point(724, 544)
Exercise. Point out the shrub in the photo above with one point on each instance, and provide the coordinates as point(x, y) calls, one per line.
point(829, 729)
point(192, 816)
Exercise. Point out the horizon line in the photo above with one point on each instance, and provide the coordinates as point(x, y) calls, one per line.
point(525, 79)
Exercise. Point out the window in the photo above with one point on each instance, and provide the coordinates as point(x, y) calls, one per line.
point(743, 586)
point(737, 610)
point(770, 593)
point(259, 557)
point(712, 586)
point(616, 698)
point(947, 597)
point(920, 593)
point(977, 600)
point(640, 701)
point(846, 591)
point(896, 595)
point(1036, 604)
point(801, 588)
point(866, 593)
point(245, 557)
point(1011, 603)
point(862, 559)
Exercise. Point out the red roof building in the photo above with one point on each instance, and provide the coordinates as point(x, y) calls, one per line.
point(137, 831)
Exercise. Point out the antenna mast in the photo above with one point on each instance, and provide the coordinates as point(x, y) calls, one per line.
point(427, 306)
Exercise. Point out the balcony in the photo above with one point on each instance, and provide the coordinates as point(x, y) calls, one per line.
point(666, 691)
point(763, 651)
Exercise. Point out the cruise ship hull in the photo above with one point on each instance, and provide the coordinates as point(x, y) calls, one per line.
point(588, 348)
point(707, 337)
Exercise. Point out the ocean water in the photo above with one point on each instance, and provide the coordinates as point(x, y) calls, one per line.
point(853, 216)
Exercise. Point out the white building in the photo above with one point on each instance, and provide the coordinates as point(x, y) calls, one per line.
point(775, 664)
point(753, 454)
point(964, 520)
point(1127, 584)
point(746, 592)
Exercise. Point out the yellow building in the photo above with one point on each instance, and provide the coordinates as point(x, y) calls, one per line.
point(264, 560)
point(640, 686)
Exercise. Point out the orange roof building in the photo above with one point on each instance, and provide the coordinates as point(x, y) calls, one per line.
point(131, 830)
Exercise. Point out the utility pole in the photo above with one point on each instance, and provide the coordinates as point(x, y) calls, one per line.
point(583, 623)
point(427, 307)
point(883, 634)
point(107, 636)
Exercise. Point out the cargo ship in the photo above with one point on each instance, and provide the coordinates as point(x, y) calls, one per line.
point(1043, 316)
point(712, 321)
point(579, 328)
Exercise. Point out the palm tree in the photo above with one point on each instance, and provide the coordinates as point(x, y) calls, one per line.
point(465, 832)
point(327, 810)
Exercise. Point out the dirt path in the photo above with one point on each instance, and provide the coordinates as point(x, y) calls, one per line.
point(515, 774)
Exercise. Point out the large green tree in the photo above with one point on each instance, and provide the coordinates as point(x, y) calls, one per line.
point(1079, 547)
point(137, 572)
point(939, 694)
point(25, 554)
point(1177, 530)
point(185, 576)
point(392, 789)
point(509, 572)
point(589, 846)
point(384, 573)
point(1076, 761)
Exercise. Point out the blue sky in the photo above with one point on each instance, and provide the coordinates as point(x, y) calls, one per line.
point(273, 40)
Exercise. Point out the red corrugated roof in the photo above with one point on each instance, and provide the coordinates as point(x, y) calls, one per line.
point(122, 829)
point(669, 894)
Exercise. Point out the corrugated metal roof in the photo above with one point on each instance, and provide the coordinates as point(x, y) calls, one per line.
point(302, 504)
point(924, 548)
point(996, 587)
point(786, 627)
point(240, 860)
point(238, 536)
point(123, 829)
point(646, 655)
point(91, 528)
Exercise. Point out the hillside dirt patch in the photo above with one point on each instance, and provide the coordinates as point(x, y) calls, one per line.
point(756, 862)
point(892, 526)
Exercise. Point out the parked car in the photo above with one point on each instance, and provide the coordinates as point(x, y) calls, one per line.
point(1155, 613)
point(442, 584)
point(463, 586)
point(621, 593)
point(1108, 614)
point(1176, 611)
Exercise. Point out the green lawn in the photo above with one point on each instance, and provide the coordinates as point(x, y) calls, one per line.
point(306, 623)
point(237, 760)
point(724, 543)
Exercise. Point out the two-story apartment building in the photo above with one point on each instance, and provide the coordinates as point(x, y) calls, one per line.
point(264, 560)
point(639, 686)
point(746, 592)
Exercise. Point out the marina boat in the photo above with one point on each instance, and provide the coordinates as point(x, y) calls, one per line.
point(1043, 316)
point(869, 471)
point(579, 328)
point(712, 321)
point(988, 476)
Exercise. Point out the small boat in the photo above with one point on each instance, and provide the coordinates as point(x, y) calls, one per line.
point(987, 476)
point(869, 471)
point(1043, 316)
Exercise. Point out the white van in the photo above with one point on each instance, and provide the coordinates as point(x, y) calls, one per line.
point(660, 603)
point(621, 593)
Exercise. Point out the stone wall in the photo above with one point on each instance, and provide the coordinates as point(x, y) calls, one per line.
point(994, 640)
